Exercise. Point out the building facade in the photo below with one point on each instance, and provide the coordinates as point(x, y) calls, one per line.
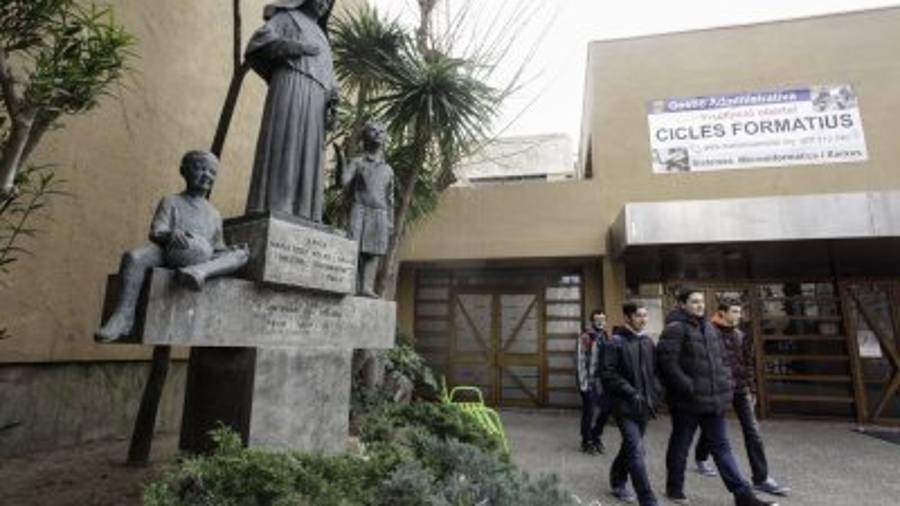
point(57, 386)
point(755, 161)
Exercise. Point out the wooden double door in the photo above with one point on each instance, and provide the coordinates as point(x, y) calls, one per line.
point(497, 344)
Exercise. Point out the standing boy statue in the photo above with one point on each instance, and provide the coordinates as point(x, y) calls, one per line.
point(369, 181)
point(185, 234)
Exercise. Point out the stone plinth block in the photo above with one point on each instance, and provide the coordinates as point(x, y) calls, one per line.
point(235, 312)
point(301, 399)
point(295, 253)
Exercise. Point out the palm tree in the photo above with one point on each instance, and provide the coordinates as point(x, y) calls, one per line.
point(437, 108)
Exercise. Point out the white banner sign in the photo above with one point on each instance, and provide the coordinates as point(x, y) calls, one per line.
point(802, 126)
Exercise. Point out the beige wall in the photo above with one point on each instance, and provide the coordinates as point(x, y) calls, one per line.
point(572, 219)
point(565, 219)
point(119, 160)
point(859, 49)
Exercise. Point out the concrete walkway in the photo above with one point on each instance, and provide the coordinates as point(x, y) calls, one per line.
point(825, 463)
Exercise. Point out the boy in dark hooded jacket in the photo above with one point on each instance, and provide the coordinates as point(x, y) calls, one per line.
point(629, 378)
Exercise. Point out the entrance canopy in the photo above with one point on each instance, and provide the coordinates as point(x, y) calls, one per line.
point(862, 215)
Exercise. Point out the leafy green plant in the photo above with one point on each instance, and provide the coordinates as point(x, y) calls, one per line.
point(437, 107)
point(419, 469)
point(57, 57)
point(377, 419)
point(403, 360)
point(35, 185)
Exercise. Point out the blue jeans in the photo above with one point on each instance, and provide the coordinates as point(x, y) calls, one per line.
point(756, 451)
point(712, 430)
point(631, 461)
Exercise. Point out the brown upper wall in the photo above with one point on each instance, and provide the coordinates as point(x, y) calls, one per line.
point(562, 219)
point(119, 160)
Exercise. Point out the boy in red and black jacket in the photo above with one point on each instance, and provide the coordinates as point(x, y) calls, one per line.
point(739, 357)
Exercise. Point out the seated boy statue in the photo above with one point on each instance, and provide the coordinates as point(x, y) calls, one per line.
point(185, 234)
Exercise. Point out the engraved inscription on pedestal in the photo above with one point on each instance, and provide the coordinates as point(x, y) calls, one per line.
point(291, 254)
point(237, 312)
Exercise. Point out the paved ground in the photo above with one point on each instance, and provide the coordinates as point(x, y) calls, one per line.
point(826, 464)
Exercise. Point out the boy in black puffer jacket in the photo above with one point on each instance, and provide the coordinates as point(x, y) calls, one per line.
point(694, 369)
point(629, 378)
point(740, 359)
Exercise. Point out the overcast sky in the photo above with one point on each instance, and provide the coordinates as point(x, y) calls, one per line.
point(551, 102)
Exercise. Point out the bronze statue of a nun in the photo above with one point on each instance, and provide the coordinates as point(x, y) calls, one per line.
point(291, 52)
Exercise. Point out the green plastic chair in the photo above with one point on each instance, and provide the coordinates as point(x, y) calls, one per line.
point(487, 418)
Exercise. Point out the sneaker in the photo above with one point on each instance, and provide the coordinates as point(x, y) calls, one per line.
point(588, 448)
point(677, 497)
point(598, 445)
point(705, 468)
point(749, 499)
point(624, 494)
point(771, 486)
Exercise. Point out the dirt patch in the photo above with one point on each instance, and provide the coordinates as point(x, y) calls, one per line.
point(86, 475)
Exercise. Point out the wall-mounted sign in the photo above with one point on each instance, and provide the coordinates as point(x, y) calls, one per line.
point(800, 126)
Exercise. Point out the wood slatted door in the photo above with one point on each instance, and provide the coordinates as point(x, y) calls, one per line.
point(472, 361)
point(519, 355)
point(497, 340)
point(873, 329)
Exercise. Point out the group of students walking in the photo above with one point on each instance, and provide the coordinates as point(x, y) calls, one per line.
point(704, 366)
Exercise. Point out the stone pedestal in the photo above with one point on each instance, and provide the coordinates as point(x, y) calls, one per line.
point(235, 312)
point(271, 354)
point(295, 253)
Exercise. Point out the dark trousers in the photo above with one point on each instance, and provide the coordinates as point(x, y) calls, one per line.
point(756, 453)
point(595, 411)
point(631, 461)
point(712, 430)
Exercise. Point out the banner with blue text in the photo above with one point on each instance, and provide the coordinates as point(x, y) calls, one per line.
point(801, 126)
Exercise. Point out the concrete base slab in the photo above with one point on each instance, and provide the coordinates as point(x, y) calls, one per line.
point(234, 312)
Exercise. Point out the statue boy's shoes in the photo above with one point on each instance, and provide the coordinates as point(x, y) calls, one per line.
point(116, 327)
point(368, 293)
point(190, 278)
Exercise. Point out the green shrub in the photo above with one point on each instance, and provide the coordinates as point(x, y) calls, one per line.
point(378, 419)
point(417, 469)
point(403, 360)
point(236, 476)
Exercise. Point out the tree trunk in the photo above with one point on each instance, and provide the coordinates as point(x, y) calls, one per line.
point(38, 129)
point(142, 437)
point(392, 258)
point(239, 71)
point(423, 32)
point(11, 158)
point(234, 91)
